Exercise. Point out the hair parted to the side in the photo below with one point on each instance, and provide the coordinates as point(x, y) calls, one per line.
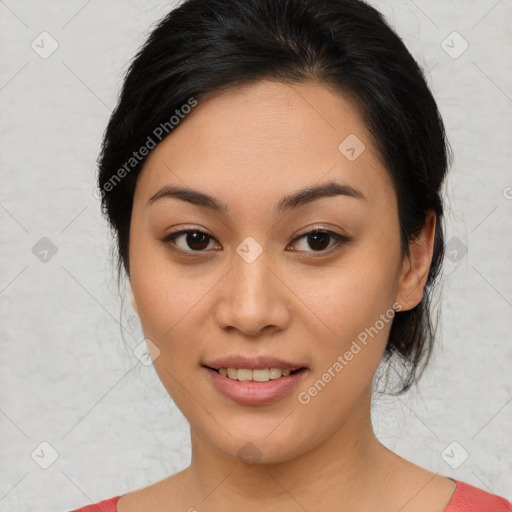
point(205, 46)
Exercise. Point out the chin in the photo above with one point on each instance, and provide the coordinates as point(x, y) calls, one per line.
point(252, 445)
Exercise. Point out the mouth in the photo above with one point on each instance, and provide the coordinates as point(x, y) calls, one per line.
point(256, 374)
point(256, 386)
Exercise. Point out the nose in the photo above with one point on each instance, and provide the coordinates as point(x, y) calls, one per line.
point(254, 300)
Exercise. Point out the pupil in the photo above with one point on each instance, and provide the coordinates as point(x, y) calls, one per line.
point(196, 240)
point(318, 238)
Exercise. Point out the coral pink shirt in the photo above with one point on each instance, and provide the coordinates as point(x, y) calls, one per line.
point(465, 499)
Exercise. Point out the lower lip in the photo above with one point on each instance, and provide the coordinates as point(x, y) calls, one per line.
point(255, 393)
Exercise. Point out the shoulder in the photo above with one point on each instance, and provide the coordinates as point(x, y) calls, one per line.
point(468, 498)
point(109, 505)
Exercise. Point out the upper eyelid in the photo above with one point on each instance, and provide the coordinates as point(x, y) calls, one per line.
point(180, 232)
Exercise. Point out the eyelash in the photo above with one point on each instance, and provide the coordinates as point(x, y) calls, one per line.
point(339, 241)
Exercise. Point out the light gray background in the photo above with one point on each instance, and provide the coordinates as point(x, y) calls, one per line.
point(67, 377)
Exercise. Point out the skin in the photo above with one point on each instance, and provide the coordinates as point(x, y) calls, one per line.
point(248, 147)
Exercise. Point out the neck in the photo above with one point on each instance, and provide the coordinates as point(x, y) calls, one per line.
point(338, 470)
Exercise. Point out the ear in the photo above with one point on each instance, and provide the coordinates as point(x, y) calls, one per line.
point(416, 266)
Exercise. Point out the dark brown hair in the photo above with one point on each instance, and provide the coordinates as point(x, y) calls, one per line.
point(205, 46)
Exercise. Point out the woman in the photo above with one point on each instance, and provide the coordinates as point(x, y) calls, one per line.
point(272, 173)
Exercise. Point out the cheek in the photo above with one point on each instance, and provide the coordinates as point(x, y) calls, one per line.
point(174, 307)
point(352, 295)
point(353, 318)
point(169, 308)
point(165, 292)
point(356, 311)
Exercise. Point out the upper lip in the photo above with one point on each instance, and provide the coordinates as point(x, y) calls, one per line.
point(253, 363)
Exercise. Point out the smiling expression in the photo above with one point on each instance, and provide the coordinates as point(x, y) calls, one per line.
point(261, 165)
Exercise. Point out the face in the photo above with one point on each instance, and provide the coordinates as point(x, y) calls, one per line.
point(248, 273)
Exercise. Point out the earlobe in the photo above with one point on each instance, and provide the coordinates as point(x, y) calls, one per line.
point(416, 266)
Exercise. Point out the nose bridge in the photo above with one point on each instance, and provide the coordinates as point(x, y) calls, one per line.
point(251, 278)
point(251, 300)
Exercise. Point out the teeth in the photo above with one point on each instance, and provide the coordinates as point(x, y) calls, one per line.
point(260, 375)
point(242, 374)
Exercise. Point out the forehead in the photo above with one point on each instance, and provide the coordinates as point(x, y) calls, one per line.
point(259, 140)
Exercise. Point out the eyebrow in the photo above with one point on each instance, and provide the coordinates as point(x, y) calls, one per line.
point(287, 203)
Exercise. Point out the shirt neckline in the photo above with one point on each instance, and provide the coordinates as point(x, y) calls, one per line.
point(454, 492)
point(457, 488)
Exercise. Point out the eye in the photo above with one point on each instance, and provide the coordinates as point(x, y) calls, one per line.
point(197, 241)
point(319, 240)
point(189, 240)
